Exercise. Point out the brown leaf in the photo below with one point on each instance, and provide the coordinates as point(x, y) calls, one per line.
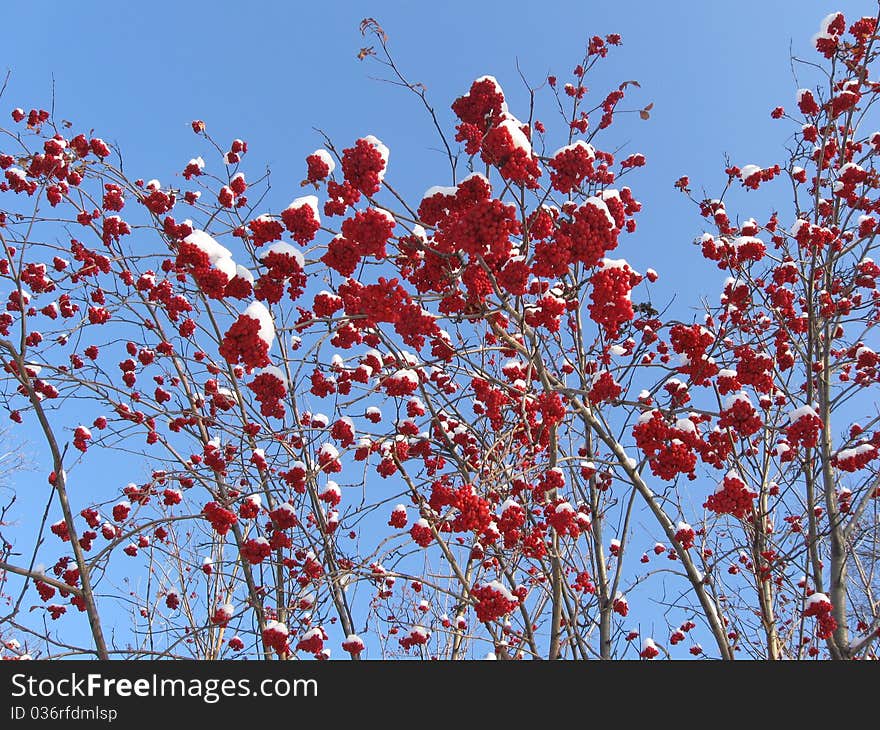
point(629, 83)
point(364, 52)
point(370, 24)
point(646, 112)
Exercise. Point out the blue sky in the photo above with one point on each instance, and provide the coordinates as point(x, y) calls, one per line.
point(271, 72)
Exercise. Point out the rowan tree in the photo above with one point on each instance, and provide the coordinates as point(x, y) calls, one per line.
point(454, 426)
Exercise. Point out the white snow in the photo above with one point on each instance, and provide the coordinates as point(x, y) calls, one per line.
point(617, 264)
point(826, 22)
point(407, 374)
point(242, 273)
point(579, 144)
point(739, 396)
point(382, 150)
point(257, 310)
point(275, 372)
point(284, 249)
point(600, 205)
point(517, 136)
point(309, 200)
point(315, 633)
point(846, 454)
point(646, 416)
point(797, 225)
point(748, 170)
point(499, 587)
point(803, 411)
point(206, 243)
point(439, 190)
point(328, 450)
point(510, 503)
point(331, 488)
point(564, 507)
point(326, 158)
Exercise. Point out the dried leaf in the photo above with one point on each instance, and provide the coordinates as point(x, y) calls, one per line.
point(370, 24)
point(646, 112)
point(629, 83)
point(364, 52)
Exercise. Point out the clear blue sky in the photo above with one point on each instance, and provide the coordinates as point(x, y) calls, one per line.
point(270, 72)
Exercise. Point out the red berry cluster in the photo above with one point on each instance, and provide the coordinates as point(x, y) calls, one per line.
point(318, 167)
point(804, 430)
point(364, 165)
point(693, 341)
point(605, 388)
point(732, 498)
point(563, 518)
point(571, 166)
point(478, 110)
point(256, 550)
point(398, 517)
point(370, 231)
point(81, 437)
point(312, 641)
point(301, 219)
point(418, 636)
point(610, 303)
point(269, 391)
point(353, 644)
point(856, 458)
point(493, 601)
point(275, 636)
point(819, 605)
point(284, 516)
point(740, 415)
point(507, 147)
point(421, 533)
point(242, 343)
point(649, 649)
point(210, 280)
point(587, 236)
point(221, 519)
point(473, 511)
point(342, 255)
point(510, 523)
point(685, 535)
